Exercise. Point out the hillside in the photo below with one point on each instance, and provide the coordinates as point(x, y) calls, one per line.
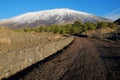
point(117, 21)
point(99, 33)
point(16, 41)
point(50, 17)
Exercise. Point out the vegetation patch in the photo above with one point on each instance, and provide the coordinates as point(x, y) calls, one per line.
point(77, 27)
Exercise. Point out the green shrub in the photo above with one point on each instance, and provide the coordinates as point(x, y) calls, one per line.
point(76, 27)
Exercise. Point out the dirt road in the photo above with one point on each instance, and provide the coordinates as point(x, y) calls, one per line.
point(84, 59)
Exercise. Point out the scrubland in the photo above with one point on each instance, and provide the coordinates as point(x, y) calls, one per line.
point(15, 41)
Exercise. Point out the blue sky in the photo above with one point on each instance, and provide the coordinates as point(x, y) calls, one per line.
point(104, 8)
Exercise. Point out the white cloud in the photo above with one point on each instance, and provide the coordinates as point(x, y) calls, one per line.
point(113, 15)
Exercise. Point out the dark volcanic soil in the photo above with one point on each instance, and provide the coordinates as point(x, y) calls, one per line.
point(84, 59)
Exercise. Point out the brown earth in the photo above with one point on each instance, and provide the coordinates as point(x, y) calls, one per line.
point(84, 59)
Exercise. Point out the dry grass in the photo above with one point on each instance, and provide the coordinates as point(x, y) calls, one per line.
point(17, 41)
point(99, 33)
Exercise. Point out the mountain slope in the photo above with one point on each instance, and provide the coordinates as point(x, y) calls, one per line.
point(117, 21)
point(49, 17)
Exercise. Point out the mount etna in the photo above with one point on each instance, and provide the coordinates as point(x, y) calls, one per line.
point(50, 17)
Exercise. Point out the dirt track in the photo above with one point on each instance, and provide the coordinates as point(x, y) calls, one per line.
point(84, 59)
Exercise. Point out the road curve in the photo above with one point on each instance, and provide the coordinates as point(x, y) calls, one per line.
point(84, 59)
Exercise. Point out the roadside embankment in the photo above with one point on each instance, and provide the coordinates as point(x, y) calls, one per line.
point(14, 61)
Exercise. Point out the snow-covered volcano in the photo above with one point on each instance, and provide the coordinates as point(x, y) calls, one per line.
point(49, 17)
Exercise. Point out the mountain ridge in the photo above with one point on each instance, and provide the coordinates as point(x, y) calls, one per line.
point(49, 17)
point(117, 21)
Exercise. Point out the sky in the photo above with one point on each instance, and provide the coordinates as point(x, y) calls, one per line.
point(104, 8)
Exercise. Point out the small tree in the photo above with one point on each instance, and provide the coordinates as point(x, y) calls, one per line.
point(111, 25)
point(101, 25)
point(77, 24)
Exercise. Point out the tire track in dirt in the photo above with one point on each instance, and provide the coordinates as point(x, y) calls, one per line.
point(110, 55)
point(88, 66)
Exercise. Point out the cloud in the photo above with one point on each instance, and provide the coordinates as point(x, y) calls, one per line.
point(113, 15)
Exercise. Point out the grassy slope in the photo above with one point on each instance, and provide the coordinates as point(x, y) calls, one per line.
point(16, 41)
point(99, 33)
